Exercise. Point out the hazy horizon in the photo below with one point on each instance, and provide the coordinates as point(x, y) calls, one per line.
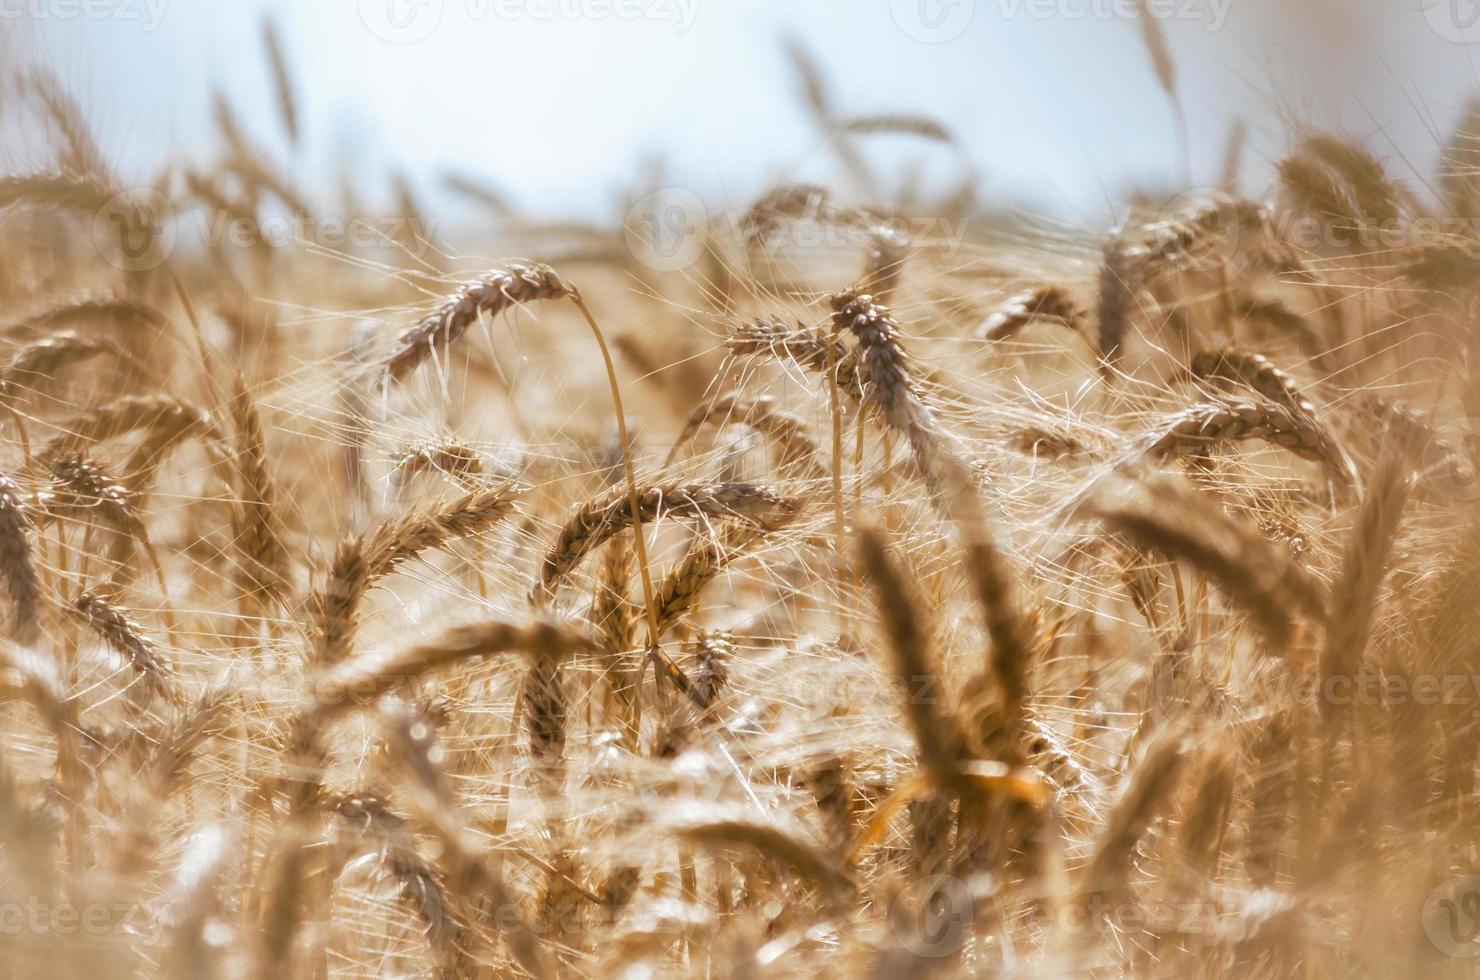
point(561, 102)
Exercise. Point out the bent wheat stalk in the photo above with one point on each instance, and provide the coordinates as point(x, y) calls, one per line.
point(365, 679)
point(518, 283)
point(1194, 430)
point(602, 519)
point(1166, 515)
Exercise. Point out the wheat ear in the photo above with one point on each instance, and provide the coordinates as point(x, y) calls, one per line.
point(1048, 303)
point(1355, 598)
point(1196, 429)
point(362, 561)
point(368, 677)
point(113, 626)
point(492, 293)
point(937, 733)
point(264, 567)
point(1148, 787)
point(801, 857)
point(16, 562)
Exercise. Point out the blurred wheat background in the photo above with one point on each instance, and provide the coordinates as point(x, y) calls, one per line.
point(889, 488)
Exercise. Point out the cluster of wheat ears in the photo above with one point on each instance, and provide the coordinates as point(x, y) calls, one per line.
point(1037, 601)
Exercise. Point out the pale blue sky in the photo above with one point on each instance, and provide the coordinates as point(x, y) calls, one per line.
point(1055, 103)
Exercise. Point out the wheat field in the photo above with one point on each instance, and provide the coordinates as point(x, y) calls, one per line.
point(881, 586)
